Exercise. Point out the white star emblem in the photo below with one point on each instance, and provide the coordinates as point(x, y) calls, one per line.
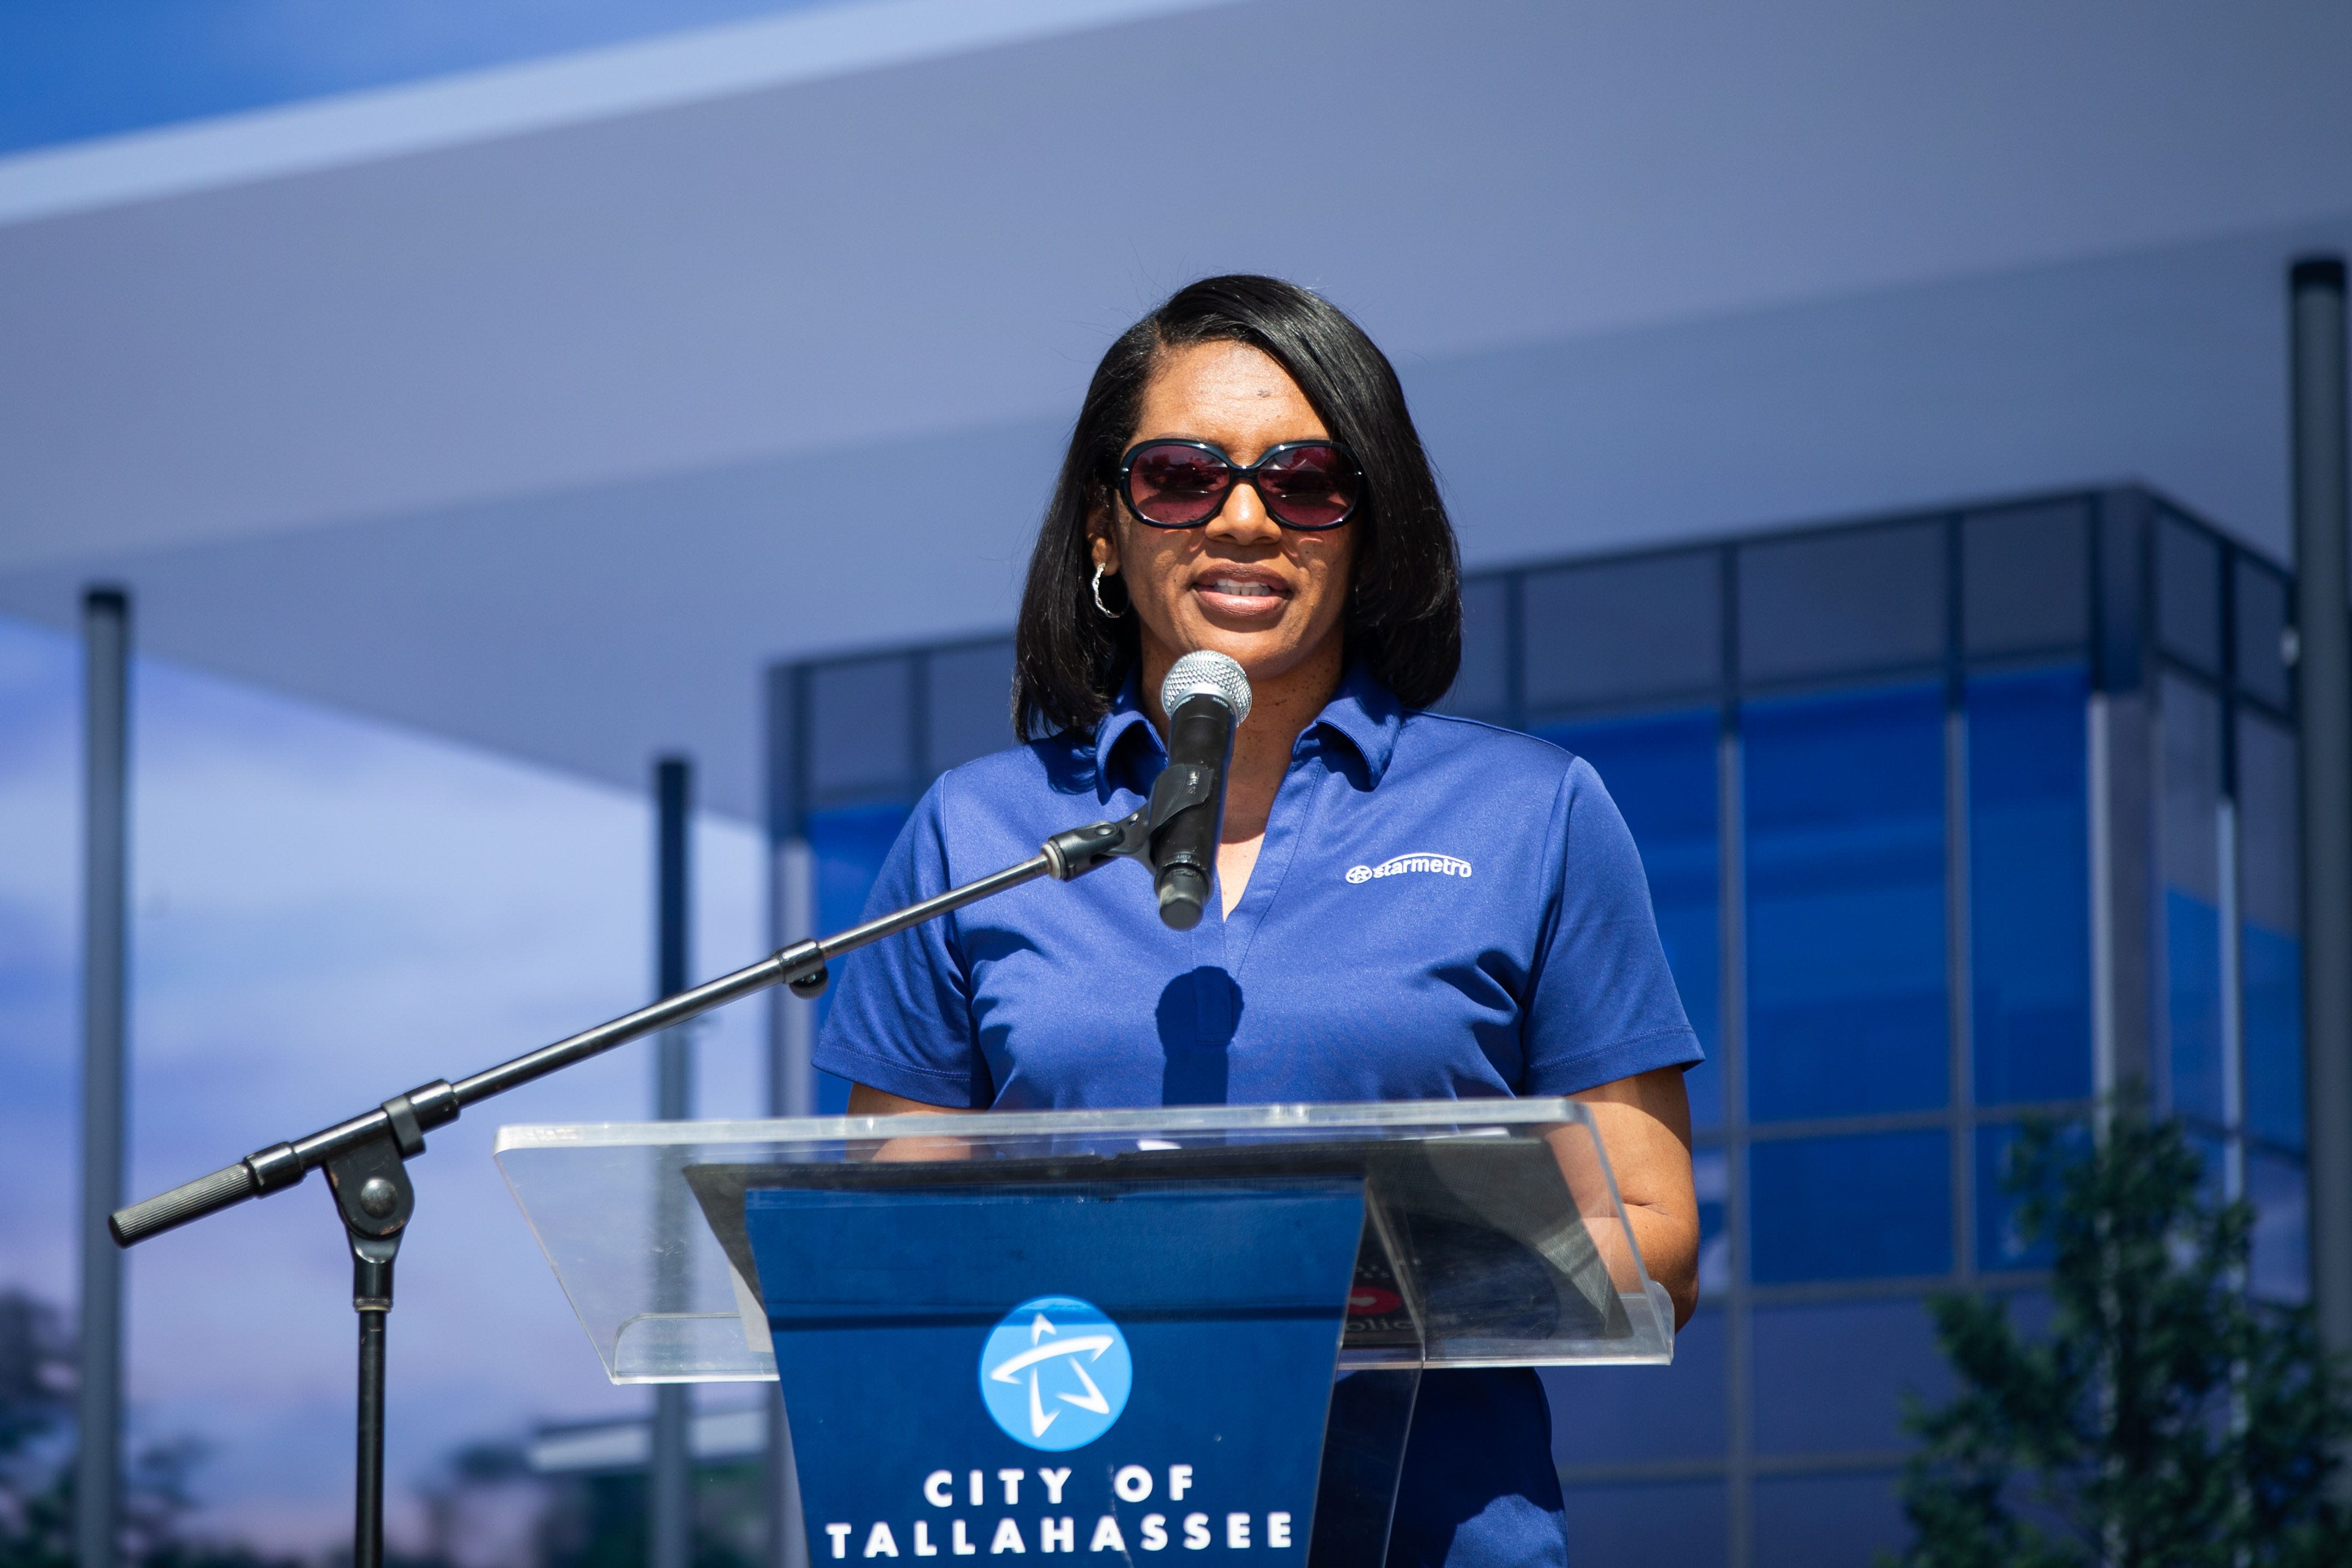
point(1045, 1343)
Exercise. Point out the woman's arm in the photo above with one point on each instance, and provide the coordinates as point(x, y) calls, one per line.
point(1645, 1126)
point(1643, 1122)
point(866, 1101)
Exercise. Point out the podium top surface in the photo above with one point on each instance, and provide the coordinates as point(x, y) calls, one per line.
point(1390, 1118)
point(1494, 1234)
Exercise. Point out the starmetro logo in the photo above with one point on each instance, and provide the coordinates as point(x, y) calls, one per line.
point(1055, 1374)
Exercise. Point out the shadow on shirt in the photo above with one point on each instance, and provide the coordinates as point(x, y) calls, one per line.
point(1198, 1014)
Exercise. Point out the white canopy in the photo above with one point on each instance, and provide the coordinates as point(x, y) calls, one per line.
point(541, 408)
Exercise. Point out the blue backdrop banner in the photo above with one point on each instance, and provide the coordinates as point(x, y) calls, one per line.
point(1085, 1368)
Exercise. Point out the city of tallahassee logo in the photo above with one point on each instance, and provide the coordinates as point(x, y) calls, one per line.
point(1055, 1374)
point(1442, 865)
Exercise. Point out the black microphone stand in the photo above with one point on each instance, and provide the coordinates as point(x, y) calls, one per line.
point(366, 1157)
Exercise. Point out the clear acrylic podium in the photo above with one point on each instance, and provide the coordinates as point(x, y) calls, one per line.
point(1492, 1235)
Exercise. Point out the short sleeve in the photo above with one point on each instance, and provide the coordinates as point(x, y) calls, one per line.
point(900, 1015)
point(1601, 1004)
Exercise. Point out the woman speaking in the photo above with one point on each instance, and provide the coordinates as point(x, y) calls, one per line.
point(1414, 906)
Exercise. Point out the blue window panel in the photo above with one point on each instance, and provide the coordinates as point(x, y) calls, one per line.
point(1662, 772)
point(1615, 1414)
point(2213, 1154)
point(2189, 591)
point(2261, 622)
point(2025, 577)
point(2000, 1245)
point(1645, 630)
point(966, 704)
point(1828, 1521)
point(1711, 1178)
point(2280, 1269)
point(1644, 1524)
point(1873, 1206)
point(2270, 914)
point(2192, 1003)
point(1833, 1379)
point(847, 845)
point(2271, 964)
point(860, 733)
point(1482, 681)
point(1816, 604)
point(1845, 849)
point(2188, 851)
point(2029, 893)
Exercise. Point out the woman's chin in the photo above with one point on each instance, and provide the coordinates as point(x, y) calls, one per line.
point(1242, 637)
point(1267, 647)
point(1263, 655)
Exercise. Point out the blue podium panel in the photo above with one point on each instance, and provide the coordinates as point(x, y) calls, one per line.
point(1083, 1367)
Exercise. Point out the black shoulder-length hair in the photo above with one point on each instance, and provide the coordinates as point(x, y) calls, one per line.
point(1404, 593)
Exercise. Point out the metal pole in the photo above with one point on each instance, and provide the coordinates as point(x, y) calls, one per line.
point(792, 1091)
point(2324, 673)
point(367, 1522)
point(106, 832)
point(670, 1534)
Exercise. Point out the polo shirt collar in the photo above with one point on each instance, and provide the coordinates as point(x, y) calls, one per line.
point(1126, 715)
point(1363, 712)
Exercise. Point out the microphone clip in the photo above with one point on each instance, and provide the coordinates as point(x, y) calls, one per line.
point(1180, 787)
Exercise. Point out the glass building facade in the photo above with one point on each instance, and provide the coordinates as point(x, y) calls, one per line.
point(1949, 819)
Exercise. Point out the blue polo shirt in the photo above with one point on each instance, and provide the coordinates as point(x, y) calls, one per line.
point(1441, 910)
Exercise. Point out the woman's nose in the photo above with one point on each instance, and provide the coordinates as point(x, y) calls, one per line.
point(1243, 519)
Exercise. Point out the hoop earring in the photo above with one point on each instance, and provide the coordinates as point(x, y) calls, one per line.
point(1109, 613)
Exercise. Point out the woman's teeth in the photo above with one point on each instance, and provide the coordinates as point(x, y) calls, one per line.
point(1241, 590)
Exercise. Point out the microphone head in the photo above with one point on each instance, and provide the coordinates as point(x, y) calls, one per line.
point(1207, 672)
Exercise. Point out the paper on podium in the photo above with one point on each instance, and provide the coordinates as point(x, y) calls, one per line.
point(1493, 1234)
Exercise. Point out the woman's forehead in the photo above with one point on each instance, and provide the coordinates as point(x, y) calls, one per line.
point(1225, 393)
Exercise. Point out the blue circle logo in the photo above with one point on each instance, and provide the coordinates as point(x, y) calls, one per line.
point(1054, 1374)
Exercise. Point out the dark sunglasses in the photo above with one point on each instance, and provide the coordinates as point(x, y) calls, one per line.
point(1184, 484)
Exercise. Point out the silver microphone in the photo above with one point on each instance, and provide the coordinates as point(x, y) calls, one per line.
point(1206, 696)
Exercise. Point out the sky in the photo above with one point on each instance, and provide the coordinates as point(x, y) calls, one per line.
point(70, 71)
point(327, 912)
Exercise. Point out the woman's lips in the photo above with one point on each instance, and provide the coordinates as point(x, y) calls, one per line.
point(1251, 599)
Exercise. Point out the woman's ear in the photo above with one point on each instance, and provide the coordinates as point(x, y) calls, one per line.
point(1101, 546)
